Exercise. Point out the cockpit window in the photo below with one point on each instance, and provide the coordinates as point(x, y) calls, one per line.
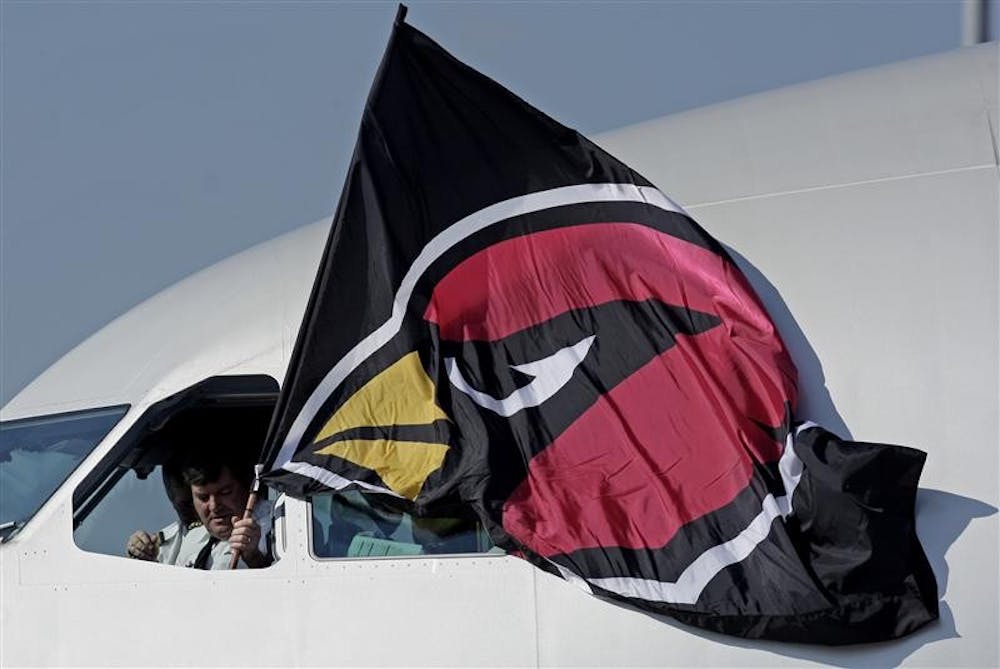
point(351, 524)
point(38, 454)
point(144, 500)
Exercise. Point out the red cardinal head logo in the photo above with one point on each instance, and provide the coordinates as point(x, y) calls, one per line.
point(592, 383)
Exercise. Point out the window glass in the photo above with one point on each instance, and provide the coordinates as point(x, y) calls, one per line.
point(351, 524)
point(132, 504)
point(37, 454)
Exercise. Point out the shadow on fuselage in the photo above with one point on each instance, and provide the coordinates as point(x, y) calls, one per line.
point(815, 403)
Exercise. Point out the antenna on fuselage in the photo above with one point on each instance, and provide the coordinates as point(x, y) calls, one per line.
point(975, 22)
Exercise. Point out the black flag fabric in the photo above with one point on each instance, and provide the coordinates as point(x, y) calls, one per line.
point(509, 320)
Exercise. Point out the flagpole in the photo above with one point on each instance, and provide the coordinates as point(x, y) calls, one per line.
point(248, 511)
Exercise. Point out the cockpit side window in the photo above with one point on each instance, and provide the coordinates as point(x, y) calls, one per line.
point(38, 454)
point(351, 524)
point(133, 502)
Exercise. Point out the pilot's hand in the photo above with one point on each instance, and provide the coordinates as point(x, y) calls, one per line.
point(143, 546)
point(245, 538)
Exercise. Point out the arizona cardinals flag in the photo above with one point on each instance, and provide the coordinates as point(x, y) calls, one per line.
point(510, 320)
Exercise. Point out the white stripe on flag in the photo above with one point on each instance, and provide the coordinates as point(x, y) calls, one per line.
point(687, 588)
point(331, 480)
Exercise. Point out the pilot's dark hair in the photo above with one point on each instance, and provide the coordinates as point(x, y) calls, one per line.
point(205, 466)
point(179, 492)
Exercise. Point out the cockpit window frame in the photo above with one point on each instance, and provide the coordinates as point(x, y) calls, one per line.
point(223, 389)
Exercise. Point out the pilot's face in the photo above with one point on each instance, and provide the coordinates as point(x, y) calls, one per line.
point(217, 502)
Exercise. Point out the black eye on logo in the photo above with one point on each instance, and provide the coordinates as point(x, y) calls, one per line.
point(549, 375)
point(598, 346)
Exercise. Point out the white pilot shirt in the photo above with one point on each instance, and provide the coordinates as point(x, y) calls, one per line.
point(180, 545)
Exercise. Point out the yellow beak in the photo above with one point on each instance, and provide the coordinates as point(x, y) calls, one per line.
point(400, 395)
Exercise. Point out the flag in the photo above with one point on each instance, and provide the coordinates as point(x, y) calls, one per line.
point(509, 320)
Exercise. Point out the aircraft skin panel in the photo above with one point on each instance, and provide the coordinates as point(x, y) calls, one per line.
point(989, 80)
point(616, 636)
point(883, 284)
point(440, 611)
point(930, 114)
point(870, 229)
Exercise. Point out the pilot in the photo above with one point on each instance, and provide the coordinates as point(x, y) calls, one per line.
point(219, 496)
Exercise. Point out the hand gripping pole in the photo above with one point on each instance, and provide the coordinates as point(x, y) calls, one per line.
point(251, 503)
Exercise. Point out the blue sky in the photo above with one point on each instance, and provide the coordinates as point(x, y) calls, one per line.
point(144, 141)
